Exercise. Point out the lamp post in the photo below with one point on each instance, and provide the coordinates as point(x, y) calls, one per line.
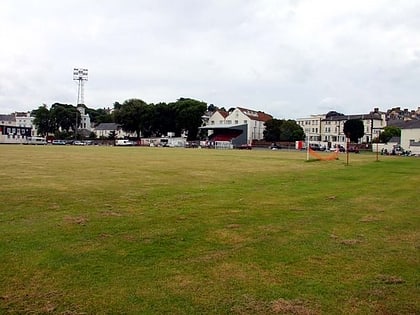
point(80, 75)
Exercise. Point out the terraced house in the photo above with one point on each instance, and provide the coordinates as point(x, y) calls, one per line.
point(327, 130)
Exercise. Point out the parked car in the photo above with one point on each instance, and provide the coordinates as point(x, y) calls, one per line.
point(59, 142)
point(315, 146)
point(123, 142)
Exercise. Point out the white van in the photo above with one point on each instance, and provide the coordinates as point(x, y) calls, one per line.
point(124, 142)
point(35, 140)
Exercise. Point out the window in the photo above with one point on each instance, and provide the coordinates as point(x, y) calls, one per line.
point(236, 122)
point(245, 121)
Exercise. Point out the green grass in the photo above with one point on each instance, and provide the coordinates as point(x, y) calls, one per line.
point(88, 230)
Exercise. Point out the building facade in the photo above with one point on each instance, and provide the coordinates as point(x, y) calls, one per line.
point(410, 136)
point(84, 119)
point(105, 130)
point(253, 120)
point(327, 130)
point(16, 127)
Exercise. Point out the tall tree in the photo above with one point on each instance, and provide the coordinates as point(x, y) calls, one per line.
point(354, 129)
point(283, 130)
point(163, 119)
point(134, 115)
point(189, 114)
point(99, 115)
point(272, 130)
point(59, 118)
point(65, 116)
point(43, 120)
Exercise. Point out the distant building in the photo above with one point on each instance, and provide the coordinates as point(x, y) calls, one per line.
point(410, 134)
point(327, 129)
point(239, 125)
point(84, 118)
point(16, 127)
point(24, 119)
point(104, 130)
point(397, 113)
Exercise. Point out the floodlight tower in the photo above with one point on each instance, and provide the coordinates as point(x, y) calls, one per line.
point(80, 75)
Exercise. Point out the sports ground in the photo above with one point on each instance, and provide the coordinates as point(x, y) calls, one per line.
point(135, 230)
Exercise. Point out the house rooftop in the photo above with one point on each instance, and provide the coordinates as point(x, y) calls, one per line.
point(255, 115)
point(404, 124)
point(4, 117)
point(107, 126)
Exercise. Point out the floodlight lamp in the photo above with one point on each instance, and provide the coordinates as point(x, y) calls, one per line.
point(80, 74)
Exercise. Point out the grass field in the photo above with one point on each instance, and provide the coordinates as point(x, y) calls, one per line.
point(108, 230)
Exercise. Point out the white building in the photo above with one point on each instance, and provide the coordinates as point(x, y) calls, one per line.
point(24, 119)
point(410, 136)
point(84, 118)
point(16, 127)
point(104, 130)
point(327, 129)
point(312, 127)
point(239, 119)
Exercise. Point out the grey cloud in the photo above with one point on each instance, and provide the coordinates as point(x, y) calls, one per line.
point(288, 58)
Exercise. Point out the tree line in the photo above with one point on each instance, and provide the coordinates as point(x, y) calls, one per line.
point(146, 120)
point(182, 116)
point(133, 115)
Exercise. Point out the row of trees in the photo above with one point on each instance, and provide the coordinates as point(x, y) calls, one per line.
point(184, 115)
point(134, 115)
point(59, 118)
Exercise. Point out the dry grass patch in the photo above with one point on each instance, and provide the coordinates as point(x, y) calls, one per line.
point(109, 213)
point(230, 235)
point(389, 279)
point(279, 306)
point(77, 220)
point(350, 242)
point(37, 297)
point(282, 306)
point(369, 218)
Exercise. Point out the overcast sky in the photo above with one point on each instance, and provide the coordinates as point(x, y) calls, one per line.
point(289, 58)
